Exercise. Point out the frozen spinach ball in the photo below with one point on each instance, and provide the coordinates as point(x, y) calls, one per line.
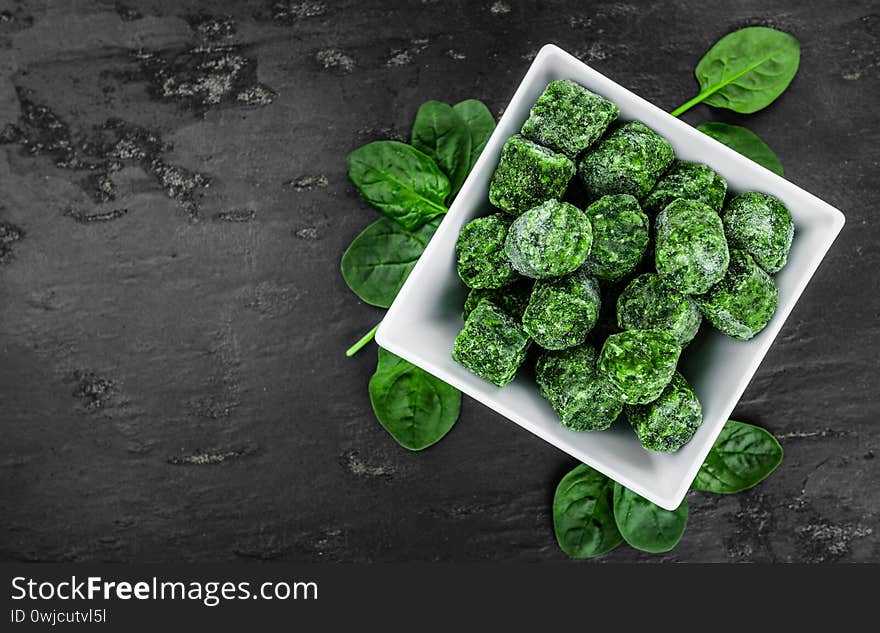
point(492, 344)
point(568, 118)
point(639, 363)
point(620, 236)
point(629, 160)
point(562, 311)
point(528, 174)
point(513, 298)
point(480, 251)
point(760, 225)
point(671, 420)
point(689, 181)
point(648, 304)
point(743, 302)
point(582, 399)
point(549, 240)
point(690, 252)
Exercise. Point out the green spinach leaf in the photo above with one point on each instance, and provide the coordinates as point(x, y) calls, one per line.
point(380, 259)
point(745, 142)
point(746, 70)
point(743, 456)
point(443, 135)
point(400, 181)
point(416, 408)
point(480, 124)
point(647, 526)
point(583, 518)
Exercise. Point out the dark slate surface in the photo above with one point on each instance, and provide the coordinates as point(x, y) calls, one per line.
point(172, 320)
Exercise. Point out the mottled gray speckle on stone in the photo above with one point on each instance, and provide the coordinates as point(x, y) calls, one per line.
point(307, 183)
point(335, 59)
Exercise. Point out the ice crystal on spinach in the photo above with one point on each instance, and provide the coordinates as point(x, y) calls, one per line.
point(581, 397)
point(690, 252)
point(568, 118)
point(492, 344)
point(670, 421)
point(628, 160)
point(743, 302)
point(549, 240)
point(761, 225)
point(528, 174)
point(689, 181)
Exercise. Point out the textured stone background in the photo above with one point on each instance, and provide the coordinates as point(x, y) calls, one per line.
point(173, 206)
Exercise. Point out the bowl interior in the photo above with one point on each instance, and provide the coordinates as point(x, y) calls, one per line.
point(422, 323)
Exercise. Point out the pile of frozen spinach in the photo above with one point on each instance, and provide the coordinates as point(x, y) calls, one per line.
point(413, 184)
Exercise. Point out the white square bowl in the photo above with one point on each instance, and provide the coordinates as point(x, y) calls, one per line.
point(422, 323)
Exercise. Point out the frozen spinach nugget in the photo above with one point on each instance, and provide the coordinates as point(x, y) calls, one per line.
point(568, 118)
point(688, 181)
point(639, 363)
point(582, 399)
point(562, 311)
point(620, 236)
point(629, 160)
point(480, 251)
point(648, 304)
point(549, 240)
point(743, 302)
point(690, 252)
point(492, 344)
point(528, 174)
point(760, 225)
point(671, 420)
point(513, 299)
